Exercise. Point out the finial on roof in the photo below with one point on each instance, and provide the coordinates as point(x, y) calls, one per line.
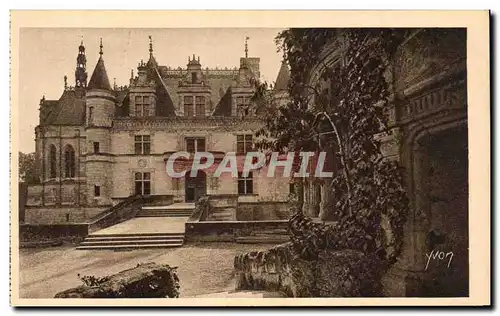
point(131, 73)
point(114, 83)
point(246, 46)
point(100, 48)
point(150, 46)
point(65, 82)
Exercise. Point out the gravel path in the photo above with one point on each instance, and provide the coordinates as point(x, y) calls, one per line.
point(203, 267)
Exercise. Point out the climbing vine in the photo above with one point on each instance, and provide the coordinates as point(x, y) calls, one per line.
point(341, 108)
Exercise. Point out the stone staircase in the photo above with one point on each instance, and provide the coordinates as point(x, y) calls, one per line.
point(166, 230)
point(173, 210)
point(222, 214)
point(268, 236)
point(131, 241)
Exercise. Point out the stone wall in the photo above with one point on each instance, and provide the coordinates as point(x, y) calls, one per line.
point(58, 215)
point(229, 231)
point(343, 273)
point(30, 232)
point(254, 211)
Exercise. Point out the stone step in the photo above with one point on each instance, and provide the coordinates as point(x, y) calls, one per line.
point(162, 215)
point(132, 242)
point(129, 247)
point(172, 207)
point(262, 239)
point(136, 235)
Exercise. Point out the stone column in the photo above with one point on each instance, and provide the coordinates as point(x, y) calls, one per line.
point(324, 204)
point(415, 239)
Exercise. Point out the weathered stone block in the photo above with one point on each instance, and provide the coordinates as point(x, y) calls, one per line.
point(148, 280)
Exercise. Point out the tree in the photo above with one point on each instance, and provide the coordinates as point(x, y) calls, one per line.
point(28, 172)
point(341, 114)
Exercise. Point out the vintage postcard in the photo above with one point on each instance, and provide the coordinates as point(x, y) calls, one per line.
point(251, 158)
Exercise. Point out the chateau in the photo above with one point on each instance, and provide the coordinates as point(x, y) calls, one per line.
point(100, 144)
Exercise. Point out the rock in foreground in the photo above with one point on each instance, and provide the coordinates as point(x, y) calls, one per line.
point(149, 280)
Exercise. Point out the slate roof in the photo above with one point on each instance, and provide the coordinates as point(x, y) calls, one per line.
point(99, 79)
point(283, 78)
point(224, 106)
point(68, 110)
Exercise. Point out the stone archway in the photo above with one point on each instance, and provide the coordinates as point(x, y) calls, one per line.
point(195, 187)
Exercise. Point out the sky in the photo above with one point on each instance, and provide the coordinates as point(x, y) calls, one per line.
point(48, 54)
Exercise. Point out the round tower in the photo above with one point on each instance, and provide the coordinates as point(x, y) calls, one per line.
point(100, 103)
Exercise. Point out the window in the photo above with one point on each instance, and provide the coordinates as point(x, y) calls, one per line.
point(91, 114)
point(244, 144)
point(292, 188)
point(96, 147)
point(142, 105)
point(242, 105)
point(97, 190)
point(245, 184)
point(194, 77)
point(143, 183)
point(142, 144)
point(188, 106)
point(200, 106)
point(195, 144)
point(52, 161)
point(69, 162)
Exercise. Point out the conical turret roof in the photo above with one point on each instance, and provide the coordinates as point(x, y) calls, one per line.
point(99, 79)
point(283, 77)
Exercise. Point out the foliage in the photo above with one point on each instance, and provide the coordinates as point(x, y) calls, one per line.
point(28, 172)
point(341, 112)
point(91, 280)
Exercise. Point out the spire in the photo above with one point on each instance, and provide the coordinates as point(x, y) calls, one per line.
point(246, 46)
point(283, 78)
point(150, 46)
point(99, 79)
point(81, 67)
point(100, 49)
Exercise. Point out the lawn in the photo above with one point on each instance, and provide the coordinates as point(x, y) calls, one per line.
point(203, 267)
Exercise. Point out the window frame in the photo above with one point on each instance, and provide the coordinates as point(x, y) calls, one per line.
point(144, 180)
point(189, 109)
point(247, 184)
point(142, 142)
point(142, 105)
point(247, 143)
point(69, 162)
point(196, 144)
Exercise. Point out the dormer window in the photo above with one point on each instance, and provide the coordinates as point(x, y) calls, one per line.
point(200, 105)
point(142, 105)
point(188, 106)
point(194, 77)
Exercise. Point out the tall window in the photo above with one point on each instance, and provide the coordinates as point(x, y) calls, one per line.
point(245, 184)
point(96, 148)
point(52, 161)
point(195, 144)
point(194, 77)
point(244, 144)
point(188, 106)
point(200, 105)
point(242, 105)
point(142, 144)
point(91, 114)
point(97, 190)
point(143, 183)
point(142, 105)
point(69, 162)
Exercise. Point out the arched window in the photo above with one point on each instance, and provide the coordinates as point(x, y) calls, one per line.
point(52, 161)
point(69, 162)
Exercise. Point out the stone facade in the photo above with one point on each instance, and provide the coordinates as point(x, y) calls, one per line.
point(98, 145)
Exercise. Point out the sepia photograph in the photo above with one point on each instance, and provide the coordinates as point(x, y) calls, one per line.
point(212, 162)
